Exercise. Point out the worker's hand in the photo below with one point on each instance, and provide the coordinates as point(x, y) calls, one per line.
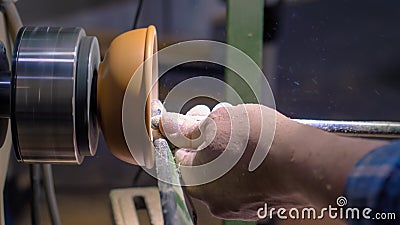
point(239, 193)
point(304, 166)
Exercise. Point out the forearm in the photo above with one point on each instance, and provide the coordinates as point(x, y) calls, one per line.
point(325, 161)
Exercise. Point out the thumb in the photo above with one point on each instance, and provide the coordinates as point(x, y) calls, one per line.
point(185, 157)
point(181, 130)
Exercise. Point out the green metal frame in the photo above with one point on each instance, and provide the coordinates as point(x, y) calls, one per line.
point(244, 30)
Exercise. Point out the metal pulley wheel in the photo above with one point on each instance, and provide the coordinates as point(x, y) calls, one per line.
point(53, 95)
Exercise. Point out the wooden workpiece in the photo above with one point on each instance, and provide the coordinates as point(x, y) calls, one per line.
point(124, 57)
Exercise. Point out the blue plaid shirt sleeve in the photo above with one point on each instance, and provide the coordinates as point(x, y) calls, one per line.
point(375, 183)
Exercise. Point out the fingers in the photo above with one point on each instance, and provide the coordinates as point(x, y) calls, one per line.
point(181, 130)
point(199, 112)
point(185, 131)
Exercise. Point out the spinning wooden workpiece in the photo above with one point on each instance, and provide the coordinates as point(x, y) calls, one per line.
point(129, 54)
